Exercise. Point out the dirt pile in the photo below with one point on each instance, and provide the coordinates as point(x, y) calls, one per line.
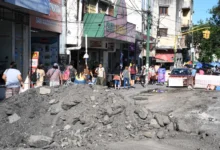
point(77, 117)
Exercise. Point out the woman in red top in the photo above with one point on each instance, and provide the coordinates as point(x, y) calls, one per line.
point(133, 71)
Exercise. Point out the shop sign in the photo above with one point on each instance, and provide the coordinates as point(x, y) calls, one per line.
point(42, 6)
point(35, 59)
point(51, 22)
point(118, 27)
point(96, 44)
point(111, 27)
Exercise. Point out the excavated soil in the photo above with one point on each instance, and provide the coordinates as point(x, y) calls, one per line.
point(81, 117)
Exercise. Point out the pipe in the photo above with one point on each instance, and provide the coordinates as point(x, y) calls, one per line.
point(80, 30)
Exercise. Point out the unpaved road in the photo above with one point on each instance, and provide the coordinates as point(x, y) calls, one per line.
point(81, 118)
point(198, 109)
point(143, 145)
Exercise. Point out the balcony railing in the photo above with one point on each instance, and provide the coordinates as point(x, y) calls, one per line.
point(185, 23)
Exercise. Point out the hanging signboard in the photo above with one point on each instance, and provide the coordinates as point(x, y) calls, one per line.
point(42, 6)
point(35, 60)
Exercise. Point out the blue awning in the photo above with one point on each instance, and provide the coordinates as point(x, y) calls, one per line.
point(42, 6)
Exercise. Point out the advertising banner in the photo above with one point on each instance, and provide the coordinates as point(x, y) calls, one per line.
point(35, 60)
point(42, 6)
point(161, 75)
point(51, 22)
point(202, 81)
point(119, 29)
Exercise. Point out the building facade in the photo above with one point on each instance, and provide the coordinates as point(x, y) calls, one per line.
point(29, 26)
point(111, 37)
point(169, 19)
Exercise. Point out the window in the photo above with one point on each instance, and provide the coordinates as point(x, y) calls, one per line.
point(102, 7)
point(163, 32)
point(163, 10)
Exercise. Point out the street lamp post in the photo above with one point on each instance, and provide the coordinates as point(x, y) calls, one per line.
point(148, 40)
point(86, 56)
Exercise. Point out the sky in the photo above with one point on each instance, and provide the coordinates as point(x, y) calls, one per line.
point(201, 9)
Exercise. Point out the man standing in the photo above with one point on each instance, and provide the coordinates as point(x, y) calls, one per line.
point(100, 75)
point(55, 76)
point(13, 79)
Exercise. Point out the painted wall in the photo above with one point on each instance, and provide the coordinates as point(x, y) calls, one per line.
point(51, 22)
point(134, 16)
point(166, 21)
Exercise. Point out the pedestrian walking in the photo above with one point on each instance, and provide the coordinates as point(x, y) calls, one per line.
point(40, 75)
point(13, 80)
point(126, 77)
point(133, 71)
point(117, 77)
point(143, 76)
point(55, 76)
point(73, 71)
point(80, 77)
point(100, 75)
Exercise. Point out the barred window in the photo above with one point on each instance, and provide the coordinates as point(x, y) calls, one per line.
point(163, 10)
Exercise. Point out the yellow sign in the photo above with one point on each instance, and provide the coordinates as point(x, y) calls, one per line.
point(35, 55)
point(120, 29)
point(206, 34)
point(91, 8)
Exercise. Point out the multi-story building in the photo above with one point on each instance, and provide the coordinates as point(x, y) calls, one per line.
point(111, 37)
point(186, 23)
point(169, 19)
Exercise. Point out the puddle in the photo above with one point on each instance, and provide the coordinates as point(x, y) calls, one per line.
point(154, 91)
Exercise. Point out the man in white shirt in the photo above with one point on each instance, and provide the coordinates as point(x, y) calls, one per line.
point(100, 75)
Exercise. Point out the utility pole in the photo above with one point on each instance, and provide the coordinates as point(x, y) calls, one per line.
point(148, 39)
point(192, 46)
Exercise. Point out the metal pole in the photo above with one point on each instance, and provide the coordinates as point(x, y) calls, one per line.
point(175, 50)
point(148, 40)
point(193, 53)
point(86, 48)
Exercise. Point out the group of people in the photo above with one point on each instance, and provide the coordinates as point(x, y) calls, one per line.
point(83, 75)
point(127, 76)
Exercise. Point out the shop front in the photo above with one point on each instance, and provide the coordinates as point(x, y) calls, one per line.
point(165, 57)
point(15, 34)
point(111, 37)
point(14, 27)
point(45, 32)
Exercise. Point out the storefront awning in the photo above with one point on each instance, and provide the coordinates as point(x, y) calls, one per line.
point(165, 58)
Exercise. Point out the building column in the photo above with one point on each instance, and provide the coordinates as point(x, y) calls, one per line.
point(105, 61)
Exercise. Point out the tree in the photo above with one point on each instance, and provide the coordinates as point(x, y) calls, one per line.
point(211, 46)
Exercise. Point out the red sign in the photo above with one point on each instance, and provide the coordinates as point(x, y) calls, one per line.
point(165, 57)
point(56, 1)
point(51, 22)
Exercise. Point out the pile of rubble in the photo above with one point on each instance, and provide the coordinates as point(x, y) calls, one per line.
point(77, 117)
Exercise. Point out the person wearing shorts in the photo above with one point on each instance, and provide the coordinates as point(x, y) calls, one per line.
point(13, 80)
